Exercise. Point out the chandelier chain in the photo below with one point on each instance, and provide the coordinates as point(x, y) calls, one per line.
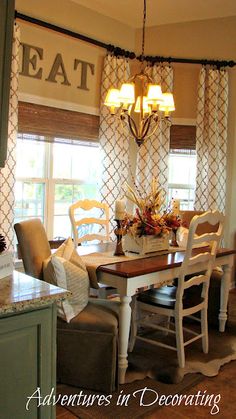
point(144, 23)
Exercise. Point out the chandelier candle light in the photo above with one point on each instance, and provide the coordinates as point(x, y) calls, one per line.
point(119, 231)
point(140, 103)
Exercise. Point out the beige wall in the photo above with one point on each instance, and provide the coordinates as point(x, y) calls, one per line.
point(78, 19)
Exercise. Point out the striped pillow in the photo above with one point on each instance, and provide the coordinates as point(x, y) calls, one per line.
point(66, 269)
point(74, 279)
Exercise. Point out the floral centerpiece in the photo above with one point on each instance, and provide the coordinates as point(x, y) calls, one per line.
point(147, 230)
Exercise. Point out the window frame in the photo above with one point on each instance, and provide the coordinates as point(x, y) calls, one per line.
point(49, 181)
point(183, 152)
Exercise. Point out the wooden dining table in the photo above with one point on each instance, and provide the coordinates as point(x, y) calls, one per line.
point(159, 269)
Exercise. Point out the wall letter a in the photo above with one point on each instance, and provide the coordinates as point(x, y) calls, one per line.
point(58, 69)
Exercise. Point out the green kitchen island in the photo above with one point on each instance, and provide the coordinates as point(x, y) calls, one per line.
point(27, 346)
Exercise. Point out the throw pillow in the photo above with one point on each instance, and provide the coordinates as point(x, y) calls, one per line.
point(66, 269)
point(74, 279)
point(66, 251)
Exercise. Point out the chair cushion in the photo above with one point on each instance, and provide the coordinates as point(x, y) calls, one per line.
point(166, 297)
point(66, 270)
point(97, 316)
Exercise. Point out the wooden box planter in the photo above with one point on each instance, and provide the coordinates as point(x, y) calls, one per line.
point(145, 244)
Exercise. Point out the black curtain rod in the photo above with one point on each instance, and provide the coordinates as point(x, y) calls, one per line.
point(119, 51)
point(116, 50)
point(160, 59)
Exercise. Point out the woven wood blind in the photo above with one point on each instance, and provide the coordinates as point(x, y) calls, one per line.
point(182, 137)
point(53, 122)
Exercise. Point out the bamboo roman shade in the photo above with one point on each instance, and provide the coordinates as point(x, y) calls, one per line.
point(183, 137)
point(59, 123)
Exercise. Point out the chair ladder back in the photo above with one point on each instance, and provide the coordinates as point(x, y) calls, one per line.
point(208, 254)
point(87, 205)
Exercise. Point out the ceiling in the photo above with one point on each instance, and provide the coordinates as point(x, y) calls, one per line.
point(161, 11)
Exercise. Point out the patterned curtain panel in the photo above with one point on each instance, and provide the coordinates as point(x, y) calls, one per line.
point(7, 174)
point(114, 144)
point(153, 155)
point(211, 139)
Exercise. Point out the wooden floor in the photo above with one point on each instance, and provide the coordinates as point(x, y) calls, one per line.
point(224, 384)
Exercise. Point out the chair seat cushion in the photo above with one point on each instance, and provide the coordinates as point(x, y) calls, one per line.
point(97, 316)
point(166, 297)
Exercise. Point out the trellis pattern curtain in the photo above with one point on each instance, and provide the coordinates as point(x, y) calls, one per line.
point(114, 144)
point(7, 174)
point(211, 139)
point(152, 157)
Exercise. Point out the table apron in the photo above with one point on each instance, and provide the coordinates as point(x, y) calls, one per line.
point(128, 286)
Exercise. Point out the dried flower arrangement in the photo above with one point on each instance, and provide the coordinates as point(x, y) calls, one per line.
point(147, 219)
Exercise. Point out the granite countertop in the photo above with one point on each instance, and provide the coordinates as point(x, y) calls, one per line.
point(20, 292)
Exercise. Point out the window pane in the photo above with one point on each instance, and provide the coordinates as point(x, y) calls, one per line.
point(29, 200)
point(80, 162)
point(85, 163)
point(186, 197)
point(182, 178)
point(86, 191)
point(30, 158)
point(62, 226)
point(66, 194)
point(75, 163)
point(63, 198)
point(182, 169)
point(62, 160)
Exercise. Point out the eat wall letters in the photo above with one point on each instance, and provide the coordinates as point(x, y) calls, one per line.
point(32, 66)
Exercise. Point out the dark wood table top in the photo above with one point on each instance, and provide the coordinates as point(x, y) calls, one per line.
point(146, 265)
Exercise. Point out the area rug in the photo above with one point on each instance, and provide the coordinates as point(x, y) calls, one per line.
point(161, 364)
point(153, 371)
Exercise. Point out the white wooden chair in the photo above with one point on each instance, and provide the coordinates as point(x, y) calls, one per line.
point(83, 231)
point(174, 301)
point(78, 223)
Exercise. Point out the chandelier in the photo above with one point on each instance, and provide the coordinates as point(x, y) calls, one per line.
point(140, 103)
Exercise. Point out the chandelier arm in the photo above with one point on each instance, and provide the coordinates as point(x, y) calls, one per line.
point(132, 126)
point(151, 133)
point(146, 127)
point(124, 127)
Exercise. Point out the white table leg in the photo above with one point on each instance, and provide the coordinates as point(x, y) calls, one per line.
point(124, 328)
point(224, 296)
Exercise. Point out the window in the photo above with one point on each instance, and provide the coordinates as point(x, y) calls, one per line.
point(51, 174)
point(182, 165)
point(182, 177)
